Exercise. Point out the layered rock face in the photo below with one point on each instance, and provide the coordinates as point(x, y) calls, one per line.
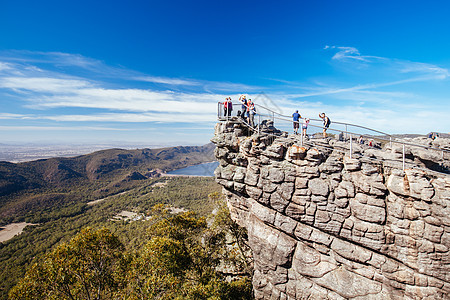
point(324, 226)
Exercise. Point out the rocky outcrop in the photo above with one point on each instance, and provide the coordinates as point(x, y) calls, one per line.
point(322, 225)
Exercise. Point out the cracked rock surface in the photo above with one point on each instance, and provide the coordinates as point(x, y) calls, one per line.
point(323, 225)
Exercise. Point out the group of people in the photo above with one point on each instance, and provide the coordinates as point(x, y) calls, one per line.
point(296, 117)
point(247, 111)
point(227, 107)
point(433, 135)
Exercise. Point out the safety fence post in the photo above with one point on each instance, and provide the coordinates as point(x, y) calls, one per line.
point(259, 124)
point(301, 135)
point(346, 130)
point(390, 142)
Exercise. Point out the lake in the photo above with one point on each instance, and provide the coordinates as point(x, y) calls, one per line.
point(206, 169)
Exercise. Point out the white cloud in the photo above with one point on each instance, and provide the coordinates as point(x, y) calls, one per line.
point(389, 65)
point(187, 117)
point(426, 70)
point(195, 101)
point(352, 53)
point(4, 66)
point(43, 84)
point(6, 116)
point(347, 52)
point(50, 58)
point(212, 86)
point(169, 81)
point(130, 100)
point(61, 128)
point(45, 89)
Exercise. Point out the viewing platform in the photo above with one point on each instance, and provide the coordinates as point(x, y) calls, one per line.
point(353, 140)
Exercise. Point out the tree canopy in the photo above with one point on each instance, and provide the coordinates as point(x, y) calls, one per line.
point(182, 259)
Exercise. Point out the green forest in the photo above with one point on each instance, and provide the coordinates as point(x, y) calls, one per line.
point(119, 236)
point(169, 242)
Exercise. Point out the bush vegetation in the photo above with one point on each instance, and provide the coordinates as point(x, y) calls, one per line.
point(192, 258)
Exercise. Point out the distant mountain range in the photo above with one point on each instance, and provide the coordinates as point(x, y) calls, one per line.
point(62, 171)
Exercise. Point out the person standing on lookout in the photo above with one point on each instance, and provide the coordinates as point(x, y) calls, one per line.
point(305, 127)
point(229, 107)
point(225, 107)
point(243, 100)
point(251, 111)
point(326, 123)
point(296, 116)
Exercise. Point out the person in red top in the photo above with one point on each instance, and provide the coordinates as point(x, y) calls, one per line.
point(225, 107)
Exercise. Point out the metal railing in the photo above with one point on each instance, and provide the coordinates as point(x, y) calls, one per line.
point(284, 122)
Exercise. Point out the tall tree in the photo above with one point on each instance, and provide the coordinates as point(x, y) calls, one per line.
point(180, 262)
point(90, 266)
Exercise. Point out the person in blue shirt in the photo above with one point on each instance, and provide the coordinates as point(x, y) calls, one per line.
point(296, 116)
point(243, 100)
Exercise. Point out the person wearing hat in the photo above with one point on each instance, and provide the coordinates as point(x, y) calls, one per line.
point(296, 116)
point(326, 123)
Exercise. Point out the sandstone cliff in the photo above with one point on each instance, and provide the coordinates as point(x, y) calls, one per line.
point(322, 225)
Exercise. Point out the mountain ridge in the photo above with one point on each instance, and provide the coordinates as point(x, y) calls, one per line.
point(59, 171)
point(102, 173)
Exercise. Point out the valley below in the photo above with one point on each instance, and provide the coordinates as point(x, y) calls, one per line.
point(47, 202)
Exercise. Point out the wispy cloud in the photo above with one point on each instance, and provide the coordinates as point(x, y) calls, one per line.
point(374, 77)
point(194, 118)
point(9, 116)
point(169, 81)
point(62, 128)
point(378, 94)
point(4, 66)
point(322, 91)
point(392, 66)
point(43, 84)
point(426, 71)
point(49, 89)
point(129, 100)
point(58, 59)
point(351, 53)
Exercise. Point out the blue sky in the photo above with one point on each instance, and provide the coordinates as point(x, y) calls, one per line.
point(153, 71)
